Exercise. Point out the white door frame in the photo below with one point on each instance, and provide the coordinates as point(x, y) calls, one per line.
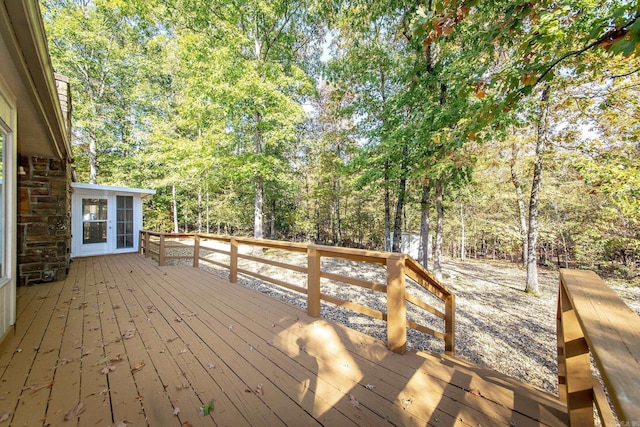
point(80, 192)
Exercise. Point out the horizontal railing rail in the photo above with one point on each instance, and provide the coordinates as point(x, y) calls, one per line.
point(594, 323)
point(398, 267)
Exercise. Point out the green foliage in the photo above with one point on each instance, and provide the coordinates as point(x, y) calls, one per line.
point(208, 97)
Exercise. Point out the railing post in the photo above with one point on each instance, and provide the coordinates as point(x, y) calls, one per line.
point(396, 305)
point(161, 251)
point(574, 363)
point(147, 249)
point(140, 242)
point(233, 260)
point(450, 325)
point(196, 250)
point(313, 281)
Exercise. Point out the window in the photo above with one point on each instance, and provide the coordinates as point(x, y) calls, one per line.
point(94, 221)
point(124, 222)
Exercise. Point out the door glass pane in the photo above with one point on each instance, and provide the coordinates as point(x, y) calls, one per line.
point(2, 195)
point(94, 221)
point(124, 226)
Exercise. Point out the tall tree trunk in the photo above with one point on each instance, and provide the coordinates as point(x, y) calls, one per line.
point(437, 261)
point(532, 285)
point(521, 210)
point(272, 230)
point(387, 209)
point(257, 213)
point(207, 205)
point(199, 209)
point(402, 191)
point(462, 242)
point(423, 250)
point(338, 220)
point(258, 232)
point(174, 202)
point(93, 161)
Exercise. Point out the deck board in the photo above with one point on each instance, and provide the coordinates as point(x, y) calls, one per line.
point(202, 339)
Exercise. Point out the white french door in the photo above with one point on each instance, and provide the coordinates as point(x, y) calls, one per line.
point(106, 225)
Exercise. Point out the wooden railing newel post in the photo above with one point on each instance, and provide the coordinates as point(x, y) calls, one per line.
point(233, 260)
point(450, 325)
point(577, 365)
point(161, 250)
point(396, 305)
point(313, 281)
point(140, 242)
point(562, 371)
point(196, 251)
point(147, 249)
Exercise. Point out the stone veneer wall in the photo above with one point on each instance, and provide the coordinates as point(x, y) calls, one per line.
point(44, 220)
point(44, 209)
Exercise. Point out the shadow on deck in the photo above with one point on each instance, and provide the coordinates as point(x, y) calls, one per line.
point(150, 345)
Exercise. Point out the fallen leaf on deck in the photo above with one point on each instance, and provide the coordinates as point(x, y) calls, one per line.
point(476, 392)
point(118, 358)
point(137, 366)
point(83, 305)
point(259, 389)
point(19, 350)
point(184, 350)
point(103, 360)
point(103, 392)
point(121, 423)
point(115, 307)
point(172, 339)
point(107, 369)
point(186, 423)
point(4, 417)
point(77, 410)
point(178, 319)
point(129, 334)
point(61, 362)
point(182, 387)
point(231, 327)
point(206, 409)
point(248, 390)
point(211, 366)
point(370, 386)
point(406, 403)
point(162, 351)
point(176, 411)
point(353, 401)
point(86, 353)
point(270, 342)
point(36, 389)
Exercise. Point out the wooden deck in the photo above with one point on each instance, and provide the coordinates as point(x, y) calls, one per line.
point(151, 345)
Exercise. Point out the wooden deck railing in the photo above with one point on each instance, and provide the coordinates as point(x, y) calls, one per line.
point(399, 267)
point(594, 321)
